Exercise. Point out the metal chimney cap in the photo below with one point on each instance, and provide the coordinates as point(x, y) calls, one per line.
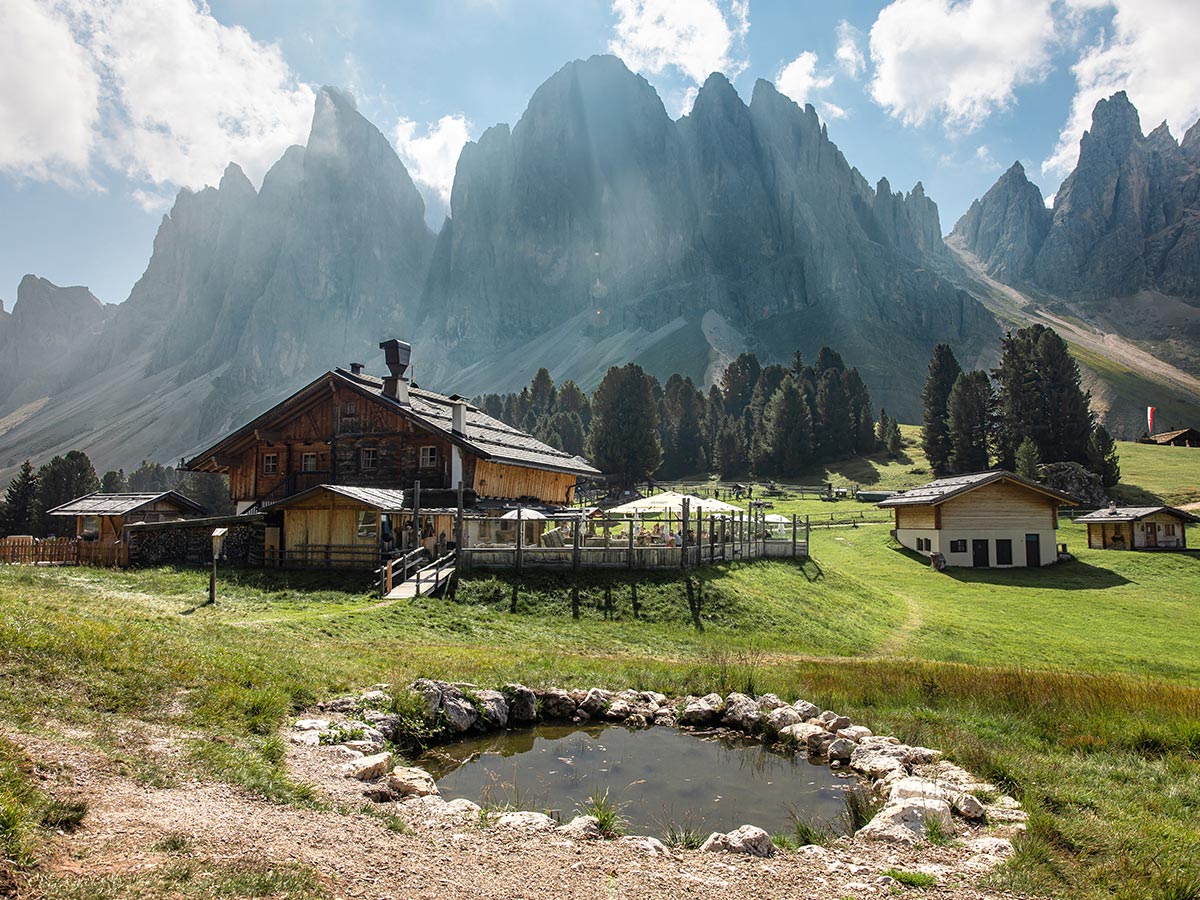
point(397, 354)
point(356, 368)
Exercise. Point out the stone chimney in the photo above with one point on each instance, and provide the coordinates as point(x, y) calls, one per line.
point(398, 355)
point(459, 417)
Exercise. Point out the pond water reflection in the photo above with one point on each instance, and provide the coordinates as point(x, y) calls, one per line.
point(663, 776)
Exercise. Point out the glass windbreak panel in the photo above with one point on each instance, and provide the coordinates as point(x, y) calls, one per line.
point(91, 528)
point(368, 526)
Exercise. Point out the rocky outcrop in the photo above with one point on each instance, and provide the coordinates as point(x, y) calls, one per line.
point(44, 338)
point(1006, 227)
point(1126, 219)
point(1073, 479)
point(749, 840)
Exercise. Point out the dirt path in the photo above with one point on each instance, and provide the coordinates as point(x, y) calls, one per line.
point(355, 855)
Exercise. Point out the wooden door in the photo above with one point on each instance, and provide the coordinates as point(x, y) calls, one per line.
point(979, 554)
point(1033, 550)
point(1151, 534)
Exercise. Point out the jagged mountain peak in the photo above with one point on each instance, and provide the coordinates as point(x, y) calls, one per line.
point(234, 181)
point(1115, 118)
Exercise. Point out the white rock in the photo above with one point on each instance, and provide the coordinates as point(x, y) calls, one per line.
point(905, 821)
point(783, 717)
point(365, 747)
point(703, 711)
point(368, 768)
point(991, 846)
point(967, 805)
point(493, 709)
point(306, 738)
point(741, 712)
point(462, 807)
point(921, 788)
point(557, 704)
point(460, 714)
point(806, 710)
point(878, 759)
point(650, 845)
point(856, 733)
point(526, 821)
point(841, 749)
point(409, 781)
point(819, 742)
point(374, 698)
point(921, 756)
point(582, 828)
point(596, 701)
point(798, 734)
point(311, 725)
point(748, 839)
point(768, 702)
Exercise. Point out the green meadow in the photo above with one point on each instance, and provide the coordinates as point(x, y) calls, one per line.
point(1075, 687)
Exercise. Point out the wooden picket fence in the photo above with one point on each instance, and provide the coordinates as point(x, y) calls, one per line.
point(24, 550)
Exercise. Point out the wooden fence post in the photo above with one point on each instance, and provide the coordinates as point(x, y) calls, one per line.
point(683, 535)
point(631, 543)
point(575, 544)
point(793, 535)
point(520, 528)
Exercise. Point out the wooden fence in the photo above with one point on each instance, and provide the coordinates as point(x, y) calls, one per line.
point(28, 551)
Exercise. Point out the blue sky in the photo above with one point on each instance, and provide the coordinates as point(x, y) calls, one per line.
point(107, 108)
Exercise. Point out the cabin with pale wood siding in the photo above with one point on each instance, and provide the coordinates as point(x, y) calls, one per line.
point(1138, 528)
point(984, 520)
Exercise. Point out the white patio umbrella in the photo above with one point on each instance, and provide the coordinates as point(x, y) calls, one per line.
point(777, 519)
point(672, 502)
point(524, 513)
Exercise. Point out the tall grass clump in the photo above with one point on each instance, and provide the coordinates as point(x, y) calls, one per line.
point(606, 811)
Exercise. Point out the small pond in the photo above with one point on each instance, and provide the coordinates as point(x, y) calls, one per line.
point(662, 776)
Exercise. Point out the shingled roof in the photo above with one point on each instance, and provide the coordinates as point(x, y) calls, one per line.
point(382, 499)
point(98, 504)
point(944, 489)
point(1134, 514)
point(485, 437)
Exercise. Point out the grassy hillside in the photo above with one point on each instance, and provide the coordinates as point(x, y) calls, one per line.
point(1074, 686)
point(1154, 474)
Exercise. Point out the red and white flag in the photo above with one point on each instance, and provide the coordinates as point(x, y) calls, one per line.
point(1150, 410)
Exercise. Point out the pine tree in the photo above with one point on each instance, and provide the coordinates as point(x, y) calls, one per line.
point(862, 423)
point(935, 432)
point(787, 426)
point(731, 448)
point(1038, 395)
point(737, 384)
point(151, 477)
point(894, 443)
point(623, 441)
point(114, 482)
point(714, 412)
point(542, 393)
point(20, 502)
point(1028, 459)
point(883, 428)
point(572, 399)
point(833, 437)
point(1102, 456)
point(968, 416)
point(683, 414)
point(63, 478)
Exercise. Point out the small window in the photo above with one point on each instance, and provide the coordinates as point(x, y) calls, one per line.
point(1169, 530)
point(270, 463)
point(91, 528)
point(350, 410)
point(924, 544)
point(368, 526)
point(368, 459)
point(958, 546)
point(429, 457)
point(308, 462)
point(1003, 552)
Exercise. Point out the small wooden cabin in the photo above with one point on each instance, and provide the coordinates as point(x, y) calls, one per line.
point(1182, 437)
point(103, 517)
point(986, 519)
point(1138, 528)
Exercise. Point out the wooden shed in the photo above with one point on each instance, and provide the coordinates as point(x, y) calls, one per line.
point(1180, 437)
point(985, 519)
point(103, 517)
point(1138, 528)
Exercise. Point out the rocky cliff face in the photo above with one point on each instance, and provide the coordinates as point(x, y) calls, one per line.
point(598, 218)
point(1007, 226)
point(49, 333)
point(1126, 219)
point(595, 231)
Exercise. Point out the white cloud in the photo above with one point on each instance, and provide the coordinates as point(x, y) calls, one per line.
point(49, 99)
point(832, 110)
point(983, 156)
point(848, 54)
point(432, 158)
point(1151, 54)
point(799, 79)
point(158, 89)
point(957, 61)
point(696, 38)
